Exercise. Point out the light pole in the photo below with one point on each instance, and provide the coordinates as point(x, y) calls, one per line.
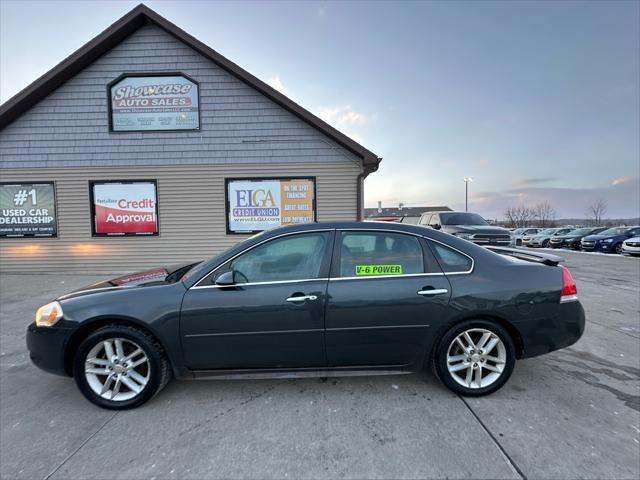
point(466, 192)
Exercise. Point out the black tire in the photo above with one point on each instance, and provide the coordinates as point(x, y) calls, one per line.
point(545, 243)
point(159, 368)
point(441, 351)
point(618, 249)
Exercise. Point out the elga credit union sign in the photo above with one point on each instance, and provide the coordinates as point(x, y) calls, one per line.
point(124, 208)
point(28, 210)
point(140, 103)
point(261, 204)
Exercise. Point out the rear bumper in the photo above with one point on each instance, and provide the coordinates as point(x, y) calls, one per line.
point(46, 347)
point(561, 331)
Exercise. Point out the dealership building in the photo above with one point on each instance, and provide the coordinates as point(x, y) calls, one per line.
point(147, 147)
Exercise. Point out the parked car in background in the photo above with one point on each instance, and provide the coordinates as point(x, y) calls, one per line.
point(322, 299)
point(609, 241)
point(573, 238)
point(542, 239)
point(519, 233)
point(468, 226)
point(631, 246)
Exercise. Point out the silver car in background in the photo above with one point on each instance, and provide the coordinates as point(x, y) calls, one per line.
point(542, 239)
point(519, 233)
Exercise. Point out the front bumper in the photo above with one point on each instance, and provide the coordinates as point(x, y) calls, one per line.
point(599, 247)
point(561, 331)
point(46, 347)
point(631, 250)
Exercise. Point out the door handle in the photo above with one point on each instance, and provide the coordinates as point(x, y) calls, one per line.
point(433, 291)
point(301, 298)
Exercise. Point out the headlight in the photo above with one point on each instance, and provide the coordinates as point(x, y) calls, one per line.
point(608, 240)
point(465, 236)
point(48, 315)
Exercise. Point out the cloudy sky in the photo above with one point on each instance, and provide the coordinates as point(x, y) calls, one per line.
point(534, 100)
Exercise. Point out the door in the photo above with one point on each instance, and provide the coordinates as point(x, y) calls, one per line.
point(272, 316)
point(386, 297)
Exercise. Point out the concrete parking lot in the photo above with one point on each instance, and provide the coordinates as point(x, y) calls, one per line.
point(572, 414)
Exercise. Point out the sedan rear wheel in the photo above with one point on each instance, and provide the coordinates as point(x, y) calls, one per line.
point(120, 367)
point(475, 358)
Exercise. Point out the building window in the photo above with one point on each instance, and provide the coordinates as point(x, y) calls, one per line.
point(127, 207)
point(258, 204)
point(146, 103)
point(28, 210)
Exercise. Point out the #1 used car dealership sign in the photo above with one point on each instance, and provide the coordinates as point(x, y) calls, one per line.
point(28, 210)
point(124, 208)
point(143, 103)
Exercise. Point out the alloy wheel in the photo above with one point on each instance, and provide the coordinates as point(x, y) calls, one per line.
point(476, 358)
point(117, 369)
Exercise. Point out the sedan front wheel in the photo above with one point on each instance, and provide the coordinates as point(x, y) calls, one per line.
point(120, 367)
point(475, 357)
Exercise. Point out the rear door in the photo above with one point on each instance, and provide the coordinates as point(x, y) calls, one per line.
point(386, 296)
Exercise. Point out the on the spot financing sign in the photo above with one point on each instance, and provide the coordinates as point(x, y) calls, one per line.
point(154, 103)
point(28, 210)
point(124, 208)
point(255, 205)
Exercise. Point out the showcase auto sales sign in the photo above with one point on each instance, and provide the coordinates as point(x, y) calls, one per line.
point(125, 208)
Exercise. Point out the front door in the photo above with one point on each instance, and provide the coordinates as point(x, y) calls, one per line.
point(387, 296)
point(273, 314)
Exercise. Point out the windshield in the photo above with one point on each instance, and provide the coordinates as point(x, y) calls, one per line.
point(614, 231)
point(517, 231)
point(462, 219)
point(548, 231)
point(579, 231)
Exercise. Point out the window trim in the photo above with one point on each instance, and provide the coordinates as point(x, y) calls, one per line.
point(335, 258)
point(466, 272)
point(428, 239)
point(331, 231)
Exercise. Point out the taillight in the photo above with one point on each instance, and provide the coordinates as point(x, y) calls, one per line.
point(569, 289)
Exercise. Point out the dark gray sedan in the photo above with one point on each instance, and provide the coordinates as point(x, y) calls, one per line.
point(313, 300)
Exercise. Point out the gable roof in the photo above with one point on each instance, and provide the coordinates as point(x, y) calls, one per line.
point(130, 23)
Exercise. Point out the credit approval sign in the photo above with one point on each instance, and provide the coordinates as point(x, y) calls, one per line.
point(258, 204)
point(124, 208)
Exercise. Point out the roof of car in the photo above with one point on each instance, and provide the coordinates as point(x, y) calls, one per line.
point(368, 225)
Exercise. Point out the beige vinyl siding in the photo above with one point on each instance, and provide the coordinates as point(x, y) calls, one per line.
point(191, 208)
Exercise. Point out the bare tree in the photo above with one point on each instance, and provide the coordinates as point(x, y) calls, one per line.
point(545, 214)
point(596, 211)
point(519, 216)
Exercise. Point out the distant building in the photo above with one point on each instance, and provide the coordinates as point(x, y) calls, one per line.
point(402, 212)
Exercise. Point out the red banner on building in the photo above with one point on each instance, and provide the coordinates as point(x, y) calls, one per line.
point(125, 208)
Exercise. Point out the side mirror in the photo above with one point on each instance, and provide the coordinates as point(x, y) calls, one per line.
point(225, 279)
point(437, 226)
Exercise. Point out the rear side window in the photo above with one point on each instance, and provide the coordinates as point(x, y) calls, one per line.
point(424, 220)
point(450, 260)
point(366, 254)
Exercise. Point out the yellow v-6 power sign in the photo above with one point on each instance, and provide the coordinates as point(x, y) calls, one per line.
point(378, 269)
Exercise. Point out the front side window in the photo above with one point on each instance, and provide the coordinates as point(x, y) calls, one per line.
point(435, 220)
point(295, 257)
point(451, 260)
point(366, 254)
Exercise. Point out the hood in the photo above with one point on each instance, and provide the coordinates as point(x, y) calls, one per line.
point(595, 238)
point(475, 229)
point(154, 276)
